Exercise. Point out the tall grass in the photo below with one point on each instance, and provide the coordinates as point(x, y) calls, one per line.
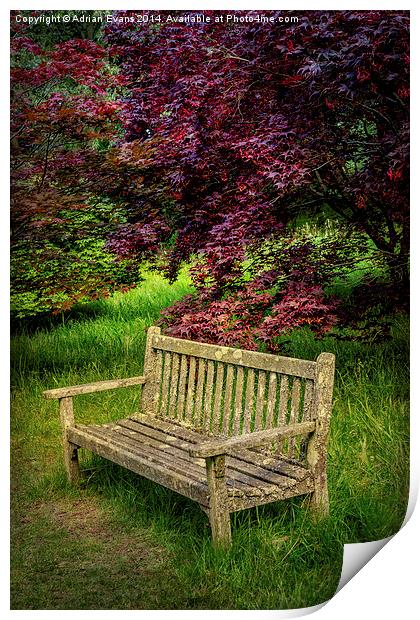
point(279, 558)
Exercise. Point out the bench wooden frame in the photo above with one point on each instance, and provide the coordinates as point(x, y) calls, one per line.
point(228, 428)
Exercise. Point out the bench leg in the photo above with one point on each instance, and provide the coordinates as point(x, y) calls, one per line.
point(71, 462)
point(71, 458)
point(220, 528)
point(319, 503)
point(219, 516)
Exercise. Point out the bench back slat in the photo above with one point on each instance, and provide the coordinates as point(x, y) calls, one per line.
point(198, 409)
point(308, 401)
point(225, 391)
point(217, 404)
point(249, 400)
point(167, 361)
point(284, 397)
point(271, 400)
point(182, 387)
point(189, 405)
point(173, 385)
point(229, 393)
point(208, 396)
point(237, 415)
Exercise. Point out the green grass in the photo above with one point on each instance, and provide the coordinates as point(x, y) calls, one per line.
point(122, 542)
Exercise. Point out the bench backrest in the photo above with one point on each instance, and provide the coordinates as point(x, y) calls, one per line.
point(226, 391)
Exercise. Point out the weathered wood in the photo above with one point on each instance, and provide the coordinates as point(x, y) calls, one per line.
point(244, 469)
point(249, 401)
point(149, 448)
point(308, 400)
point(228, 399)
point(71, 459)
point(173, 386)
point(273, 463)
point(294, 412)
point(88, 388)
point(243, 474)
point(165, 384)
point(259, 406)
point(284, 396)
point(242, 501)
point(248, 471)
point(189, 406)
point(217, 406)
point(198, 409)
point(208, 397)
point(169, 429)
point(239, 357)
point(182, 388)
point(238, 400)
point(218, 499)
point(150, 393)
point(258, 475)
point(213, 447)
point(317, 444)
point(271, 400)
point(136, 463)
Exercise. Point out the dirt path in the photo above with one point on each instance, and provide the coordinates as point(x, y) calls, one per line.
point(71, 554)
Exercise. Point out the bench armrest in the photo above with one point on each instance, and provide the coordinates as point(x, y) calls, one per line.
point(217, 446)
point(88, 388)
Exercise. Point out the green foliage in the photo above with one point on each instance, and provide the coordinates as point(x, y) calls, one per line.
point(71, 265)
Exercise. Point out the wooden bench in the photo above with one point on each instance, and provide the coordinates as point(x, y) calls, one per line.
point(228, 428)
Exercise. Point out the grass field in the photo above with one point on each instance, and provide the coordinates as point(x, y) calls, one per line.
point(121, 542)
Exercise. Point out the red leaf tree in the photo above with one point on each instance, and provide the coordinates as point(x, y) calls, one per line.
point(237, 128)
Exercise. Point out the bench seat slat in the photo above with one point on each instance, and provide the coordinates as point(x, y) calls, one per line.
point(176, 430)
point(149, 450)
point(127, 441)
point(161, 430)
point(254, 471)
point(179, 462)
point(138, 464)
point(239, 475)
point(272, 463)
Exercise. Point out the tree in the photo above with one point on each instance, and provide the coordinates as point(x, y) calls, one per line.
point(63, 119)
point(235, 129)
point(237, 122)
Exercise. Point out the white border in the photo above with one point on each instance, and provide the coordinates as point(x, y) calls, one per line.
point(387, 586)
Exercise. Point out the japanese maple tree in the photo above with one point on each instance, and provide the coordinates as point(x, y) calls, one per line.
point(235, 129)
